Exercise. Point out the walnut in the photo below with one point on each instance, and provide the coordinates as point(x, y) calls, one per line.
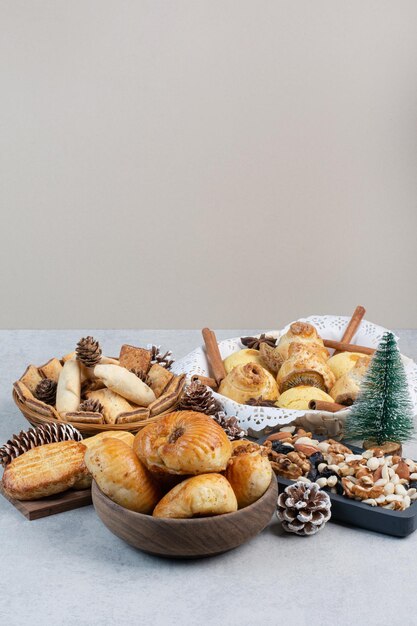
point(359, 491)
point(361, 471)
point(337, 448)
point(301, 460)
point(284, 467)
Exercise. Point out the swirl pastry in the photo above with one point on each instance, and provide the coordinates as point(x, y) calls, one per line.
point(249, 381)
point(305, 366)
point(207, 494)
point(347, 387)
point(183, 442)
point(250, 474)
point(343, 362)
point(304, 333)
point(300, 397)
point(241, 358)
point(121, 476)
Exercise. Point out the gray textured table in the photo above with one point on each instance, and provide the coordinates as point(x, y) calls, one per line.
point(69, 569)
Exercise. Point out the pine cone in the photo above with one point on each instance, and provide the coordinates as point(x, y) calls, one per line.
point(142, 375)
point(254, 343)
point(198, 397)
point(34, 437)
point(164, 360)
point(46, 391)
point(230, 426)
point(88, 351)
point(260, 402)
point(303, 508)
point(91, 406)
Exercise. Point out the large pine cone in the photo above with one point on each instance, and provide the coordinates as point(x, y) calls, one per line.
point(88, 351)
point(303, 508)
point(46, 391)
point(46, 433)
point(198, 397)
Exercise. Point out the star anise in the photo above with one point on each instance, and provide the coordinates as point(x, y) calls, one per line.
point(260, 402)
point(254, 343)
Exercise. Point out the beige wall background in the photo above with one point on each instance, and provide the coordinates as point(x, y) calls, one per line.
point(224, 163)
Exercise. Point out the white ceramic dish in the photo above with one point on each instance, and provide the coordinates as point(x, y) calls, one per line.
point(257, 419)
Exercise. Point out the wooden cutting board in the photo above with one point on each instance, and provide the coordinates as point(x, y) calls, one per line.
point(35, 509)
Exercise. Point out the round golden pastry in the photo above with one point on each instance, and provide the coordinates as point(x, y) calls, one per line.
point(305, 366)
point(249, 381)
point(121, 476)
point(343, 362)
point(250, 474)
point(304, 333)
point(207, 494)
point(183, 442)
point(299, 397)
point(241, 358)
point(347, 387)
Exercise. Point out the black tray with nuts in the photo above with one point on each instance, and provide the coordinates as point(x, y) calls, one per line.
point(368, 488)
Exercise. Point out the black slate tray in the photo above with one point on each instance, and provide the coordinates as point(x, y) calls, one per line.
point(376, 518)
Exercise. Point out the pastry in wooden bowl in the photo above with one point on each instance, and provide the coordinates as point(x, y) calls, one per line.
point(241, 358)
point(298, 398)
point(206, 494)
point(45, 470)
point(183, 442)
point(305, 366)
point(121, 476)
point(303, 333)
point(249, 381)
point(249, 472)
point(347, 387)
point(186, 538)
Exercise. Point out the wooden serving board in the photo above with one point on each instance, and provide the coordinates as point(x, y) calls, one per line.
point(35, 509)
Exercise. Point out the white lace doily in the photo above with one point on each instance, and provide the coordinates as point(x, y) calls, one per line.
point(257, 418)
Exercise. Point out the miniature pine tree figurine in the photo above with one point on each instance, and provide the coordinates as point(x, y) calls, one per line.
point(383, 411)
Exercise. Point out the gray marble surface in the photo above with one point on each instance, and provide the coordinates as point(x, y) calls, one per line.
point(69, 569)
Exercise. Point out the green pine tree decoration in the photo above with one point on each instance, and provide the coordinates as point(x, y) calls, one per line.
point(383, 411)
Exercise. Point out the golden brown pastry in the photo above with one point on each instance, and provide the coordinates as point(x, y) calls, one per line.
point(347, 387)
point(305, 366)
point(343, 362)
point(241, 358)
point(125, 383)
point(299, 397)
point(183, 442)
point(112, 403)
point(300, 332)
point(121, 476)
point(68, 391)
point(250, 475)
point(249, 381)
point(95, 441)
point(207, 494)
point(45, 470)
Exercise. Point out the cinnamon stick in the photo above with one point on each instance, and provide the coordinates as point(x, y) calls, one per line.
point(209, 382)
point(353, 325)
point(347, 347)
point(321, 405)
point(213, 355)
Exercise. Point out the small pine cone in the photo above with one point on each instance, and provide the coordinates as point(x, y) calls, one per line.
point(88, 351)
point(230, 426)
point(164, 360)
point(46, 391)
point(303, 508)
point(142, 375)
point(198, 397)
point(34, 437)
point(91, 406)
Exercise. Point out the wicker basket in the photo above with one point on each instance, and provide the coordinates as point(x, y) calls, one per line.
point(38, 413)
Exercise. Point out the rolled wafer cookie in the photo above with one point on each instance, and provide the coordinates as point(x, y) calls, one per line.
point(125, 383)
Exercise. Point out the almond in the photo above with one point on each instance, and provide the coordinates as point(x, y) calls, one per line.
point(280, 437)
point(305, 449)
point(403, 471)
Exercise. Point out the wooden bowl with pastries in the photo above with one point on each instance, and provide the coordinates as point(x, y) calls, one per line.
point(186, 538)
point(96, 393)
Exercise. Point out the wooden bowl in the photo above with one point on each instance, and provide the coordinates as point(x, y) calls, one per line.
point(186, 538)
